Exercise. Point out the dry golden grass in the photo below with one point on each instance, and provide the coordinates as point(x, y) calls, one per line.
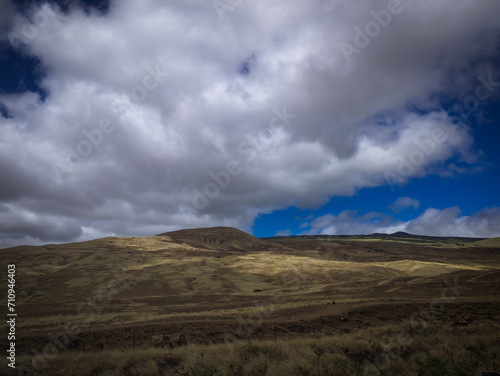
point(307, 273)
point(439, 349)
point(207, 277)
point(493, 242)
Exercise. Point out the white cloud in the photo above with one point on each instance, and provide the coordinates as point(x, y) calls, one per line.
point(352, 127)
point(434, 222)
point(404, 203)
point(350, 222)
point(283, 233)
point(449, 222)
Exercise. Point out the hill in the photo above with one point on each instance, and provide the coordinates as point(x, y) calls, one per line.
point(397, 237)
point(493, 242)
point(401, 234)
point(203, 285)
point(216, 238)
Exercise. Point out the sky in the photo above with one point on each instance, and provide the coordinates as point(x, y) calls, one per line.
point(297, 117)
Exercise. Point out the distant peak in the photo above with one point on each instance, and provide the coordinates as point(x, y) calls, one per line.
point(398, 234)
point(223, 238)
point(401, 233)
point(206, 230)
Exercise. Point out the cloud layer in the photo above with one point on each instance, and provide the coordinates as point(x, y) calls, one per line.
point(162, 115)
point(434, 222)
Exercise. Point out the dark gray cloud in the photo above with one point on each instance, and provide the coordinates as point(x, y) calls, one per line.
point(161, 115)
point(6, 16)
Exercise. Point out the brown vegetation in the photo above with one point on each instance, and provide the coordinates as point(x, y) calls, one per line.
point(221, 302)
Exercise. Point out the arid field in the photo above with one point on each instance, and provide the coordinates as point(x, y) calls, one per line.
point(218, 301)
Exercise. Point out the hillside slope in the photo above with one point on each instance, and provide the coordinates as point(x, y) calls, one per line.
point(493, 242)
point(219, 273)
point(217, 238)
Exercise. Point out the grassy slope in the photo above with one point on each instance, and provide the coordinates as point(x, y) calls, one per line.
point(493, 242)
point(211, 274)
point(214, 273)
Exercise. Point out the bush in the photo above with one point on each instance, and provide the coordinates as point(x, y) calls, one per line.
point(431, 366)
point(434, 366)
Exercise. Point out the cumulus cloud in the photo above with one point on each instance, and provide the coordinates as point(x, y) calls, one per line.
point(434, 222)
point(350, 222)
point(449, 222)
point(160, 115)
point(404, 203)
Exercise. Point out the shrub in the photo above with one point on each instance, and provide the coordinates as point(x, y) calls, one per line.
point(431, 366)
